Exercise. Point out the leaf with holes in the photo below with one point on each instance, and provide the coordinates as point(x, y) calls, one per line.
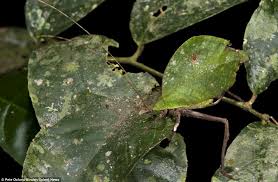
point(15, 47)
point(253, 155)
point(261, 43)
point(152, 20)
point(201, 69)
point(94, 125)
point(41, 19)
point(162, 164)
point(18, 124)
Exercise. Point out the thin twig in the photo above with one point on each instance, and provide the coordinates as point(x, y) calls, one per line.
point(138, 53)
point(252, 100)
point(243, 106)
point(126, 60)
point(133, 58)
point(273, 120)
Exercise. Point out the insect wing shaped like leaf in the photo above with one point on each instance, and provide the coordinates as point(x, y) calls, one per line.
point(200, 70)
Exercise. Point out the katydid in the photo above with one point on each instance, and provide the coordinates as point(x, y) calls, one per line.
point(177, 106)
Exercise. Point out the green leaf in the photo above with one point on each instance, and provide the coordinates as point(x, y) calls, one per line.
point(261, 43)
point(152, 20)
point(58, 72)
point(163, 164)
point(44, 20)
point(94, 124)
point(253, 155)
point(15, 47)
point(200, 70)
point(18, 124)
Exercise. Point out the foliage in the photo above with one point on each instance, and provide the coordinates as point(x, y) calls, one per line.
point(18, 124)
point(261, 42)
point(253, 154)
point(95, 126)
point(210, 68)
point(14, 40)
point(100, 123)
point(150, 19)
point(42, 20)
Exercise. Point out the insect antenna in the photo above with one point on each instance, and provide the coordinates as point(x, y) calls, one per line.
point(71, 19)
point(114, 59)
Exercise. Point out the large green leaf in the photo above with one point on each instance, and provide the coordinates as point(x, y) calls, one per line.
point(253, 155)
point(261, 42)
point(57, 73)
point(163, 164)
point(44, 20)
point(95, 125)
point(18, 124)
point(15, 47)
point(152, 20)
point(200, 70)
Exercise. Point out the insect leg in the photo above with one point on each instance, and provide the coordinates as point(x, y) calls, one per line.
point(162, 114)
point(198, 115)
point(177, 115)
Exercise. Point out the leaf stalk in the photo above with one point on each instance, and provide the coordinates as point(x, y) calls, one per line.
point(126, 60)
point(248, 108)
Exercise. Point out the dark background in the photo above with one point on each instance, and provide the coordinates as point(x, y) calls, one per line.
point(203, 138)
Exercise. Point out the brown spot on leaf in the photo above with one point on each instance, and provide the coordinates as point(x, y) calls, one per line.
point(194, 58)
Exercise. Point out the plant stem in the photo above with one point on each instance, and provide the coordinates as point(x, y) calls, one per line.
point(133, 61)
point(242, 105)
point(126, 60)
point(135, 56)
point(252, 100)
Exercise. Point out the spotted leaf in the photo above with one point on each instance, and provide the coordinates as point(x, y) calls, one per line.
point(42, 19)
point(200, 70)
point(253, 155)
point(261, 43)
point(155, 19)
point(95, 125)
point(162, 164)
point(52, 93)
